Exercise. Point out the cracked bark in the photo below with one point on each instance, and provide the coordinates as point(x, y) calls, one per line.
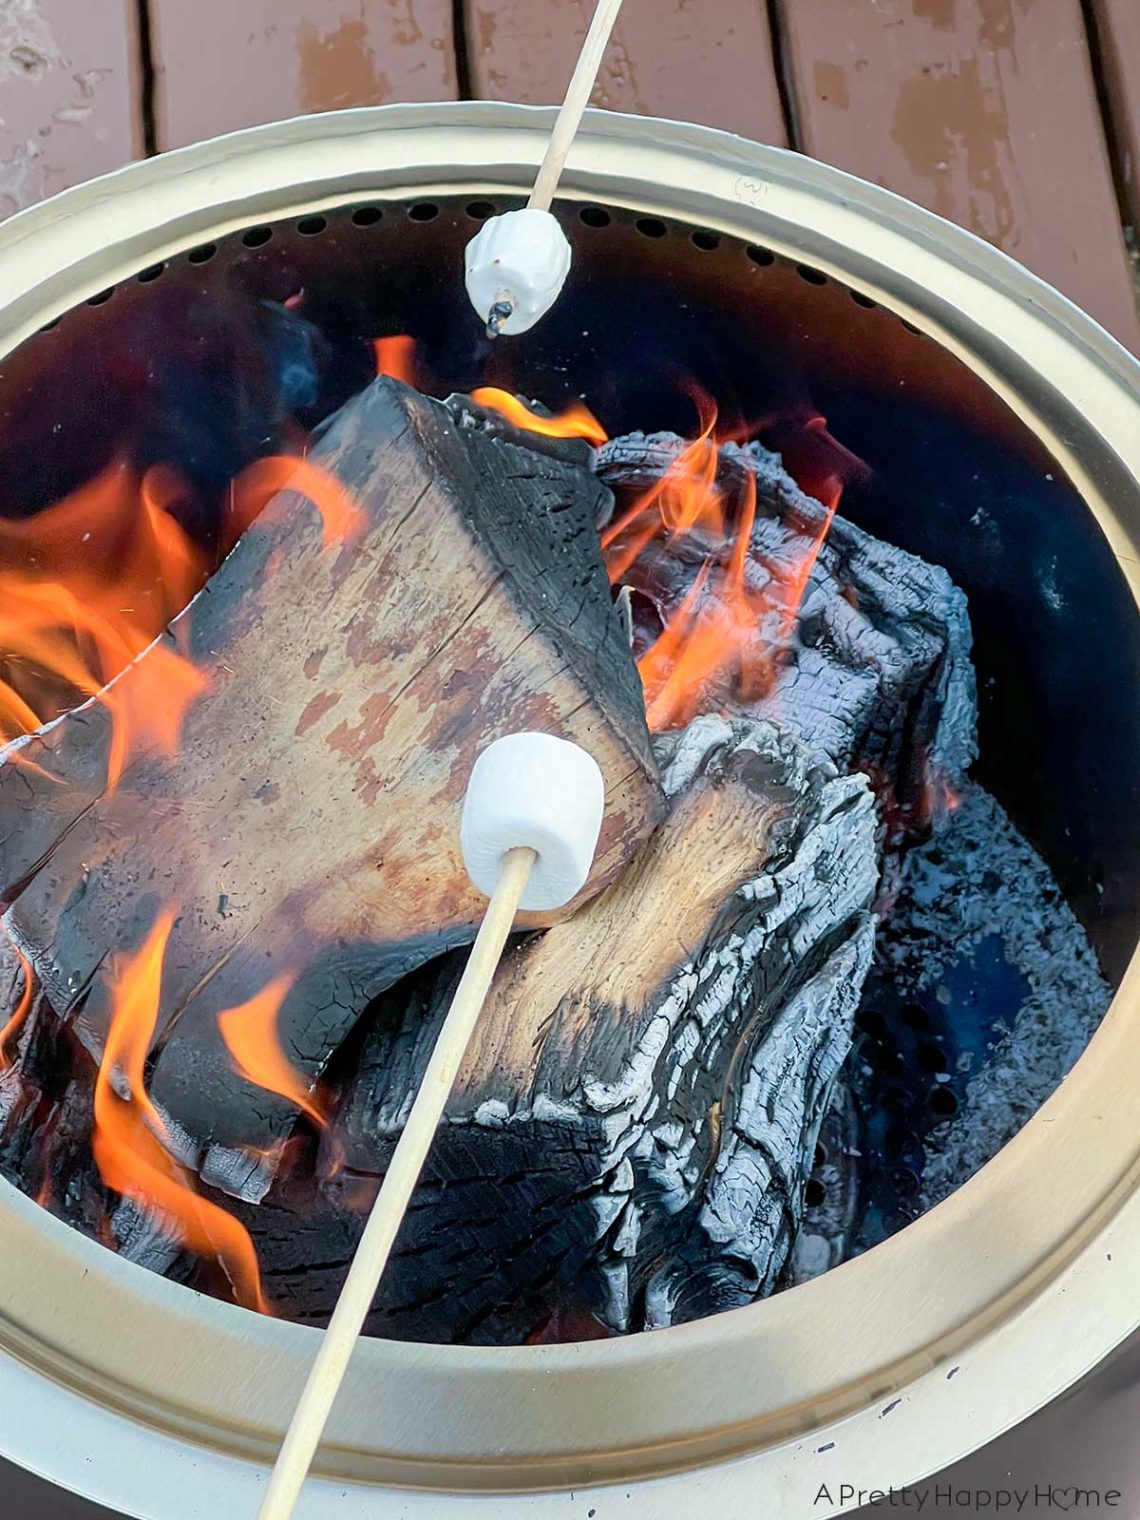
point(877, 677)
point(629, 1134)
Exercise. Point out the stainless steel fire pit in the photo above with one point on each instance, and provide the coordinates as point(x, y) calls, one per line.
point(154, 1400)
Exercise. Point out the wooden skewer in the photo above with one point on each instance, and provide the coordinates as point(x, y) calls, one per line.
point(577, 99)
point(308, 1422)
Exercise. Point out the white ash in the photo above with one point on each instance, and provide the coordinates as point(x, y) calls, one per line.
point(981, 878)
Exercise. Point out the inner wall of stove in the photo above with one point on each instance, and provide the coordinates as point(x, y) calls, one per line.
point(210, 360)
point(186, 364)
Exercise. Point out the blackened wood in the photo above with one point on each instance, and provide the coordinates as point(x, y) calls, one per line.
point(876, 674)
point(47, 1091)
point(631, 1132)
point(310, 825)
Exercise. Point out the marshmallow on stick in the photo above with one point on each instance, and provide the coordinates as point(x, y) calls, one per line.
point(517, 263)
point(531, 819)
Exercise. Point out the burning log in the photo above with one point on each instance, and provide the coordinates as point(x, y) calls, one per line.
point(749, 596)
point(634, 1124)
point(307, 835)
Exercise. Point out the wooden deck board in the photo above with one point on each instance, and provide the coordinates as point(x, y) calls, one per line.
point(708, 61)
point(225, 64)
point(69, 103)
point(1118, 30)
point(982, 110)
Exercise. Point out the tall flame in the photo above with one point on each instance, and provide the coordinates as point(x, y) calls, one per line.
point(87, 585)
point(714, 634)
point(127, 1138)
point(249, 1032)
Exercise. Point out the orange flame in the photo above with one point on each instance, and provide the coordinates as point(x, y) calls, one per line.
point(342, 516)
point(396, 358)
point(23, 1007)
point(577, 421)
point(127, 1138)
point(88, 584)
point(714, 633)
point(250, 1035)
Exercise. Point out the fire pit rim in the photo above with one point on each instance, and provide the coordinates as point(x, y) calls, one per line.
point(1049, 1301)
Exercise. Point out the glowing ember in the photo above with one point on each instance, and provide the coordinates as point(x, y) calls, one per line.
point(127, 1143)
point(16, 1020)
point(341, 515)
point(250, 1035)
point(577, 421)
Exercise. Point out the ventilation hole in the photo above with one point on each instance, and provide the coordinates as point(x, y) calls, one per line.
point(102, 298)
point(651, 227)
point(814, 1193)
point(423, 211)
point(897, 1139)
point(861, 300)
point(905, 1181)
point(479, 211)
point(943, 1102)
point(706, 241)
point(873, 1022)
point(312, 226)
point(145, 276)
point(915, 1015)
point(819, 1159)
point(202, 255)
point(910, 327)
point(366, 216)
point(50, 326)
point(594, 216)
point(932, 1058)
point(761, 256)
point(812, 276)
point(257, 237)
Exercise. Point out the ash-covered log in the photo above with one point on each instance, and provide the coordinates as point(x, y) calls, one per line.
point(852, 645)
point(307, 833)
point(631, 1132)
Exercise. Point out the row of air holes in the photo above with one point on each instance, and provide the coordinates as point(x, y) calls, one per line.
point(708, 242)
point(427, 211)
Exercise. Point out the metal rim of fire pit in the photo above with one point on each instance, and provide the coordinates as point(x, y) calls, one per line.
point(144, 1395)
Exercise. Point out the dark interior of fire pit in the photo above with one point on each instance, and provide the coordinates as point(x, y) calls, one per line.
point(237, 349)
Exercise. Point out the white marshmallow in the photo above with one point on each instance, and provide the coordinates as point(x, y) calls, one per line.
point(533, 789)
point(519, 261)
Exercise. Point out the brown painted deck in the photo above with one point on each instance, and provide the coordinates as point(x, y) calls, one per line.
point(711, 61)
point(1019, 119)
point(70, 102)
point(225, 64)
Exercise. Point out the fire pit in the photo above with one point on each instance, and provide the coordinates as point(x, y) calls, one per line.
point(196, 316)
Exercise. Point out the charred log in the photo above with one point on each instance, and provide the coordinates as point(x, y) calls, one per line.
point(631, 1133)
point(860, 650)
point(309, 828)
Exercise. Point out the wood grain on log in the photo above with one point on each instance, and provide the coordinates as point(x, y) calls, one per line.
point(310, 824)
point(630, 1132)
